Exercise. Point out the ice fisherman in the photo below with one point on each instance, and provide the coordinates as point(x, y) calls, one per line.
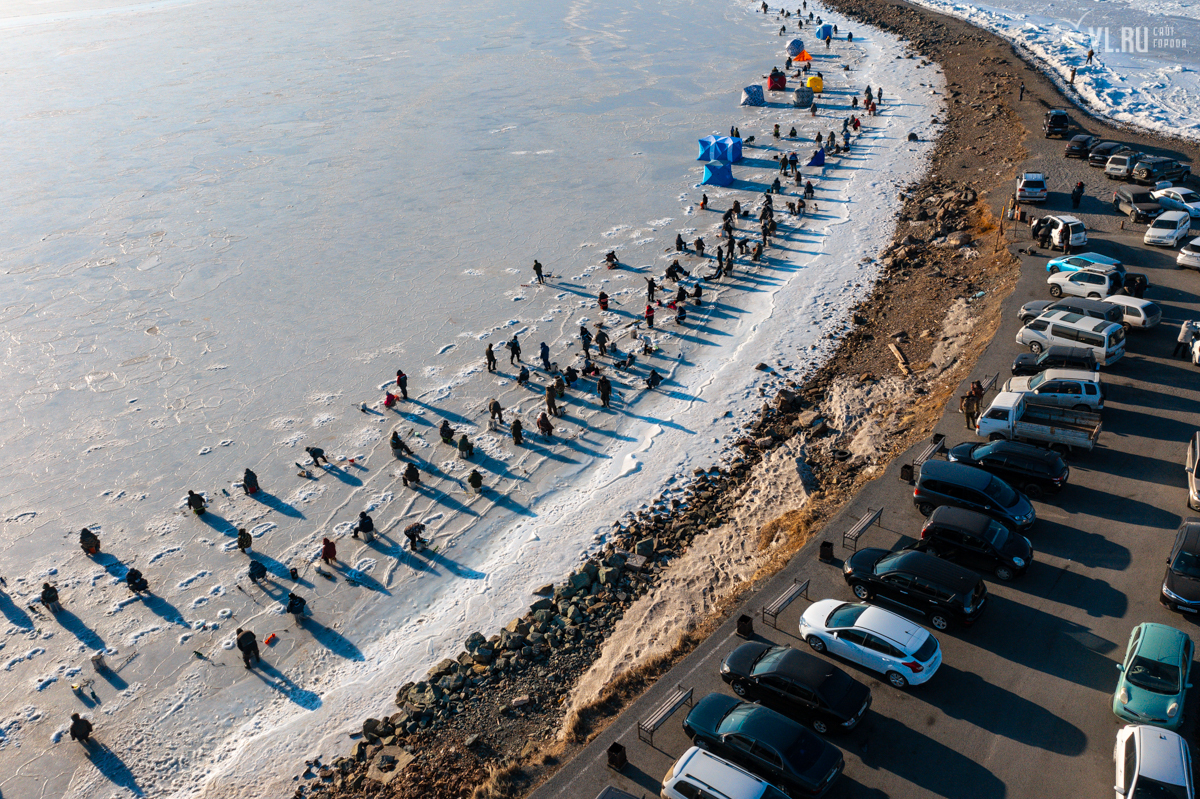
point(244, 541)
point(402, 382)
point(365, 526)
point(249, 482)
point(328, 551)
point(136, 582)
point(50, 598)
point(317, 454)
point(411, 475)
point(465, 448)
point(196, 503)
point(81, 729)
point(247, 644)
point(491, 358)
point(398, 446)
point(475, 481)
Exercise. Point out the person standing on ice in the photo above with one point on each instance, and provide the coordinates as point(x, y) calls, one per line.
point(249, 482)
point(248, 645)
point(651, 287)
point(50, 598)
point(604, 387)
point(585, 338)
point(602, 341)
point(650, 316)
point(317, 454)
point(544, 354)
point(517, 429)
point(551, 405)
point(537, 272)
point(491, 358)
point(514, 350)
point(365, 525)
point(402, 382)
point(328, 551)
point(196, 503)
point(81, 729)
point(496, 410)
point(244, 541)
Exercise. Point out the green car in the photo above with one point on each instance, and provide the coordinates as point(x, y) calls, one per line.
point(1154, 676)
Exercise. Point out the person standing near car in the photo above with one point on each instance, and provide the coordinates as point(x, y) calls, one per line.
point(1183, 343)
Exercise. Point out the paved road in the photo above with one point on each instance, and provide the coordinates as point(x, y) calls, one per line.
point(1021, 706)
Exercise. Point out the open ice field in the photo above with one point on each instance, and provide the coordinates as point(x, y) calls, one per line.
point(1144, 71)
point(227, 224)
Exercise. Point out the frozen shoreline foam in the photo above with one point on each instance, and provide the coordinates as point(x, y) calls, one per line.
point(142, 284)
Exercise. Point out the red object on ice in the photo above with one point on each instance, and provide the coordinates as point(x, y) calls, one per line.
point(776, 82)
point(272, 638)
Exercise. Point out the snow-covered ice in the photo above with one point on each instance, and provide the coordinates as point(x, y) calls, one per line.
point(228, 224)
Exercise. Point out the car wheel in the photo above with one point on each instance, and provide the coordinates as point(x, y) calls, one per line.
point(1033, 490)
point(820, 726)
point(1035, 347)
point(1092, 295)
point(861, 591)
point(1133, 215)
point(997, 437)
point(1055, 290)
point(1082, 408)
point(897, 679)
point(816, 643)
point(740, 688)
point(1004, 573)
point(925, 509)
point(1053, 269)
point(939, 621)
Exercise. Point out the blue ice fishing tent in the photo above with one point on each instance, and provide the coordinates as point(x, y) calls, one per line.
point(795, 47)
point(824, 32)
point(753, 95)
point(818, 158)
point(728, 149)
point(718, 173)
point(708, 149)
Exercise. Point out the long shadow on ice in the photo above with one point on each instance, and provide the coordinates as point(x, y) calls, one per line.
point(276, 504)
point(72, 624)
point(14, 613)
point(343, 475)
point(163, 609)
point(276, 679)
point(332, 640)
point(452, 566)
point(112, 767)
point(219, 524)
point(443, 498)
point(503, 500)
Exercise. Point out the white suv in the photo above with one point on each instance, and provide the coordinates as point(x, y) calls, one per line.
point(1152, 761)
point(1065, 230)
point(1168, 229)
point(1065, 388)
point(1093, 283)
point(1031, 188)
point(702, 774)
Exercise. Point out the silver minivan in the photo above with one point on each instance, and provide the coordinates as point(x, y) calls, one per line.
point(1105, 339)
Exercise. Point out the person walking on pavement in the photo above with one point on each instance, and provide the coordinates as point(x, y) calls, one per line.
point(517, 430)
point(50, 598)
point(196, 503)
point(248, 645)
point(604, 387)
point(81, 729)
point(1187, 332)
point(551, 405)
point(328, 551)
point(317, 454)
point(1021, 92)
point(544, 354)
point(491, 358)
point(402, 382)
point(249, 482)
point(244, 541)
point(475, 481)
point(496, 411)
point(1076, 194)
point(365, 525)
point(537, 272)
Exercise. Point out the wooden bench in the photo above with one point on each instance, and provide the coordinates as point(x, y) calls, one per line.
point(908, 472)
point(770, 613)
point(860, 527)
point(677, 699)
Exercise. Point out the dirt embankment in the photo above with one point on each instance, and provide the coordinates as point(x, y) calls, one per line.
point(495, 721)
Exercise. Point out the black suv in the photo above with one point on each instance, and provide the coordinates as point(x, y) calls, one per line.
point(1154, 168)
point(1056, 357)
point(802, 686)
point(1138, 204)
point(944, 483)
point(942, 591)
point(1181, 584)
point(1034, 470)
point(974, 540)
point(1080, 146)
point(1056, 123)
point(1100, 153)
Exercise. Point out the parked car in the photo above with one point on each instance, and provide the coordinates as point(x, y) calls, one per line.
point(1010, 417)
point(1154, 169)
point(1056, 357)
point(700, 774)
point(1136, 312)
point(1083, 260)
point(1031, 188)
point(767, 743)
point(1097, 309)
point(1170, 228)
point(1090, 282)
point(943, 592)
point(973, 540)
point(874, 638)
point(1177, 198)
point(1056, 123)
point(1062, 388)
point(1139, 205)
point(1152, 762)
point(1065, 230)
point(1191, 465)
point(1154, 676)
point(945, 483)
point(1181, 583)
point(1081, 145)
point(1100, 153)
point(1121, 165)
point(799, 685)
point(1036, 471)
point(1189, 256)
point(1106, 339)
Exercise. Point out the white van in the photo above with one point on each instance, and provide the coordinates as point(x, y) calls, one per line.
point(1105, 339)
point(702, 774)
point(1137, 312)
point(1168, 229)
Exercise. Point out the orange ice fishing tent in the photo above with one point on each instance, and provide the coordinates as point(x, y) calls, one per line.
point(804, 56)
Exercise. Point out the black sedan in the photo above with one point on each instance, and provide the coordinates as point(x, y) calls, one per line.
point(798, 684)
point(1033, 470)
point(766, 743)
point(1080, 146)
point(1181, 583)
point(1100, 153)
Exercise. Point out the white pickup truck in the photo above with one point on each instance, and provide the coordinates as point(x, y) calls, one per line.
point(1011, 417)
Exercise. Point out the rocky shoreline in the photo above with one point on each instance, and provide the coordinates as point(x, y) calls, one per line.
point(493, 721)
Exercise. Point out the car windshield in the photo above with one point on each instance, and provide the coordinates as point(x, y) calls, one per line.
point(1037, 380)
point(1161, 678)
point(1143, 197)
point(1147, 788)
point(997, 534)
point(925, 651)
point(1116, 337)
point(887, 563)
point(999, 491)
point(1187, 564)
point(1163, 223)
point(845, 615)
point(1189, 196)
point(767, 660)
point(1035, 184)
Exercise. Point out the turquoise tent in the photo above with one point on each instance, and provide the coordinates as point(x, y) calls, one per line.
point(708, 149)
point(717, 173)
point(824, 32)
point(728, 149)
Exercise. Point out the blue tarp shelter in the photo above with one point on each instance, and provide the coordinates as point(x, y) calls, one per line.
point(708, 149)
point(753, 95)
point(818, 158)
point(824, 32)
point(728, 149)
point(718, 173)
point(795, 47)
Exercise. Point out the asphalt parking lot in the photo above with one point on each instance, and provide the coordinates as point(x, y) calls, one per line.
point(1021, 706)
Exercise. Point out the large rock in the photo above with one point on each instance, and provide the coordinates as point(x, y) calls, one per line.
point(580, 581)
point(645, 547)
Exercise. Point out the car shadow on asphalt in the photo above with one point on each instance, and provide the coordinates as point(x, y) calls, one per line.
point(1092, 550)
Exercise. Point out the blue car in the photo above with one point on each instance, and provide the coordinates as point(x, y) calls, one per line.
point(1085, 260)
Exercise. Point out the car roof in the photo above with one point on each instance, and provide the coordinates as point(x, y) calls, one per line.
point(766, 724)
point(1155, 159)
point(1056, 112)
point(1173, 216)
point(809, 669)
point(943, 572)
point(1094, 257)
point(1023, 450)
point(1162, 754)
point(1079, 136)
point(717, 773)
point(1033, 176)
point(961, 518)
point(958, 472)
point(1070, 220)
point(1098, 306)
point(1122, 299)
point(1189, 531)
point(1072, 374)
point(895, 628)
point(1063, 351)
point(1160, 641)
